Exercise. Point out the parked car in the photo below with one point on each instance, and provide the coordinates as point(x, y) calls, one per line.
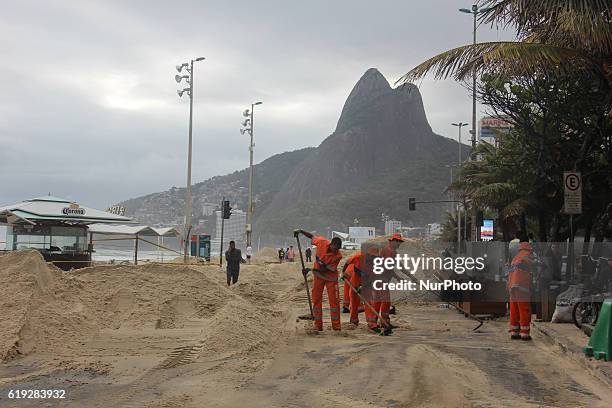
point(350, 245)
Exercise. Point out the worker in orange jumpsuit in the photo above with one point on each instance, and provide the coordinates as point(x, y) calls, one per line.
point(325, 271)
point(377, 301)
point(519, 288)
point(351, 273)
point(346, 297)
point(390, 251)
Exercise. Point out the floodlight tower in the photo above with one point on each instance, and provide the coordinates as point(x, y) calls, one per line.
point(248, 128)
point(189, 78)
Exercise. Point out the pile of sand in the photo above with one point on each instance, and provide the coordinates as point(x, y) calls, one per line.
point(35, 304)
point(46, 310)
point(266, 255)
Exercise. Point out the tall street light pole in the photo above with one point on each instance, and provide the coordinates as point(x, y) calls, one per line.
point(249, 128)
point(189, 90)
point(475, 10)
point(459, 125)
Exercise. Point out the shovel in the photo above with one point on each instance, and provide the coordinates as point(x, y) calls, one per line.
point(304, 317)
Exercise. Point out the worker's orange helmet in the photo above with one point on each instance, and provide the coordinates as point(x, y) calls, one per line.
point(525, 246)
point(396, 237)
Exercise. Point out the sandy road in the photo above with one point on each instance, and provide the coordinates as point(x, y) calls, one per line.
point(251, 352)
point(434, 360)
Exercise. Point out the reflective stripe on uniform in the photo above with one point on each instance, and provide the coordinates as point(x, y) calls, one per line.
point(520, 265)
point(327, 268)
point(519, 287)
point(319, 275)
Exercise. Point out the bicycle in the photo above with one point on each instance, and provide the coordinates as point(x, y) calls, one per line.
point(586, 310)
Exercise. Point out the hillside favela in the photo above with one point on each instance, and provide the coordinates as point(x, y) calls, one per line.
point(330, 204)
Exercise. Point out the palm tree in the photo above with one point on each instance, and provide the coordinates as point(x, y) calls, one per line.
point(492, 183)
point(554, 37)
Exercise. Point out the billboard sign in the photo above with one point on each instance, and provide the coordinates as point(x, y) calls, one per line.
point(117, 210)
point(488, 127)
point(486, 231)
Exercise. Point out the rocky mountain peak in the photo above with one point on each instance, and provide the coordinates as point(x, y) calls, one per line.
point(371, 86)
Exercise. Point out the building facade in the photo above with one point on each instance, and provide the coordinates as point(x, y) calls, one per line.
point(434, 231)
point(208, 209)
point(359, 235)
point(392, 226)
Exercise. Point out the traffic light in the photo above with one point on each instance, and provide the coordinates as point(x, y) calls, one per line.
point(227, 210)
point(412, 204)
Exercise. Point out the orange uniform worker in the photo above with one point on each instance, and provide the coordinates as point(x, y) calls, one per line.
point(351, 273)
point(377, 300)
point(346, 297)
point(519, 288)
point(390, 251)
point(325, 271)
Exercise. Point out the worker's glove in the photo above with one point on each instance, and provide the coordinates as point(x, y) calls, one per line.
point(305, 271)
point(296, 232)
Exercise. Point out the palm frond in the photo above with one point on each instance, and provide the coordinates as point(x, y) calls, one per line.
point(495, 193)
point(588, 21)
point(502, 58)
point(515, 208)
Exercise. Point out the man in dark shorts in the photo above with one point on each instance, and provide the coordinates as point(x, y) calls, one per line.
point(233, 258)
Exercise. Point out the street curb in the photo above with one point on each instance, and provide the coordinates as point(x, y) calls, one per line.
point(576, 354)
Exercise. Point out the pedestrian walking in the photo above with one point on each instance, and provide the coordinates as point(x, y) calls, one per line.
point(325, 271)
point(291, 254)
point(249, 253)
point(281, 255)
point(233, 259)
point(308, 254)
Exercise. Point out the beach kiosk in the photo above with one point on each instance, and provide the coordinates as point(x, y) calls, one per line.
point(56, 227)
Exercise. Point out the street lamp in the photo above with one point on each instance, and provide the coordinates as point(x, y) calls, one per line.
point(189, 90)
point(475, 10)
point(460, 125)
point(248, 128)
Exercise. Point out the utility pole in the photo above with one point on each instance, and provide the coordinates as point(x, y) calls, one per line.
point(475, 11)
point(189, 90)
point(459, 125)
point(222, 226)
point(249, 128)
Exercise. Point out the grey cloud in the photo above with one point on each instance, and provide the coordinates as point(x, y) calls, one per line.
point(89, 109)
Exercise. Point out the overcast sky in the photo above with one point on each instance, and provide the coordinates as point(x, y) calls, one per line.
point(89, 110)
